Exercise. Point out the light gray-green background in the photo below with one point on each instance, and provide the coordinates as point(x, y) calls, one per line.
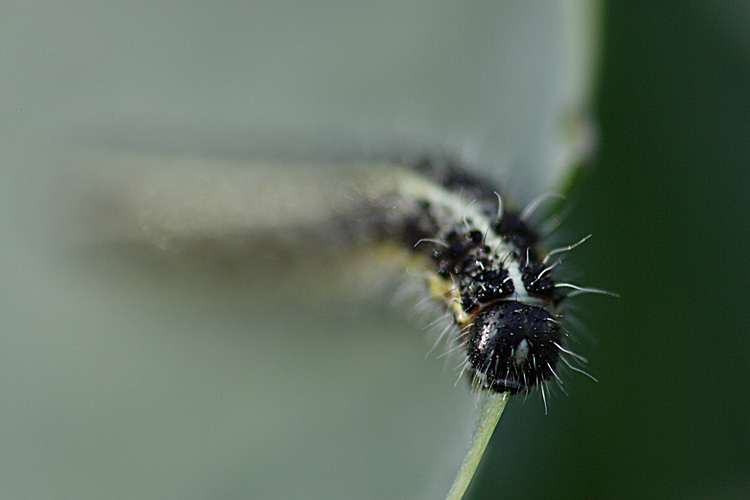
point(116, 385)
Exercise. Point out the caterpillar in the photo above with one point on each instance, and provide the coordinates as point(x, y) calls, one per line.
point(481, 258)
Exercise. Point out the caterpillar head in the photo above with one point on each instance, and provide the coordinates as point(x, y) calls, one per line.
point(513, 346)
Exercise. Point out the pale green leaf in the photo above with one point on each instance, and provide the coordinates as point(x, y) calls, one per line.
point(120, 382)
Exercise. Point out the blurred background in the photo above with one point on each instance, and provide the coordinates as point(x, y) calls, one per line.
point(117, 384)
point(666, 203)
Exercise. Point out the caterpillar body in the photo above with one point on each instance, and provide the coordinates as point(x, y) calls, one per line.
point(483, 259)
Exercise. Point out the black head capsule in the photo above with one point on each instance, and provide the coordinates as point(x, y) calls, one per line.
point(513, 346)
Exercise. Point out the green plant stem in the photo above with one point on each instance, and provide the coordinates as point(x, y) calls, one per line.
point(493, 405)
